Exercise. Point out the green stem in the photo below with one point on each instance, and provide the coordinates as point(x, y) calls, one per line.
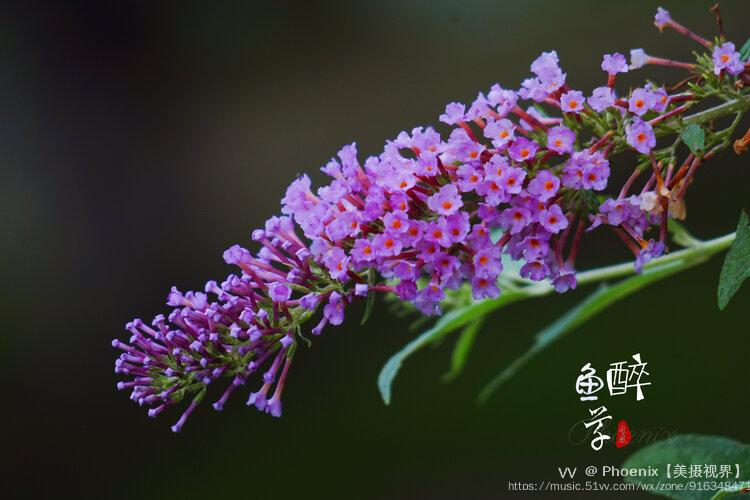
point(702, 250)
point(699, 252)
point(739, 105)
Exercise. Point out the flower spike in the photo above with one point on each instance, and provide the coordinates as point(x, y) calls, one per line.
point(435, 211)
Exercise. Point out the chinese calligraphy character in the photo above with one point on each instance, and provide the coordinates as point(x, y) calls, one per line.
point(600, 438)
point(588, 383)
point(620, 378)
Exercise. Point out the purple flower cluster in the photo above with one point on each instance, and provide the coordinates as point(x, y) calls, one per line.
point(429, 213)
point(726, 58)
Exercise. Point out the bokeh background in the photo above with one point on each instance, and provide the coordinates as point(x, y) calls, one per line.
point(141, 139)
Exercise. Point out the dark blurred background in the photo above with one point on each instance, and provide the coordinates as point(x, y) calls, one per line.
point(141, 139)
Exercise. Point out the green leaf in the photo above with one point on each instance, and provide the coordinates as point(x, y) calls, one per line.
point(462, 315)
point(680, 234)
point(495, 234)
point(447, 323)
point(462, 348)
point(745, 51)
point(542, 112)
point(594, 304)
point(694, 137)
point(368, 307)
point(370, 301)
point(512, 268)
point(199, 397)
point(307, 341)
point(689, 449)
point(736, 267)
point(738, 488)
point(419, 323)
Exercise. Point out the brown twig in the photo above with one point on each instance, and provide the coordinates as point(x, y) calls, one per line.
point(715, 10)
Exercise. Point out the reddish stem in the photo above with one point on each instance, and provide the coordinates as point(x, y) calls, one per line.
point(626, 239)
point(684, 31)
point(576, 243)
point(528, 118)
point(602, 141)
point(682, 171)
point(629, 183)
point(675, 111)
point(468, 130)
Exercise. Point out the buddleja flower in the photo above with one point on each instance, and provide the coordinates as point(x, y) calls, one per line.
point(572, 101)
point(727, 59)
point(638, 58)
point(641, 101)
point(601, 98)
point(614, 63)
point(641, 136)
point(662, 18)
point(416, 220)
point(560, 139)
